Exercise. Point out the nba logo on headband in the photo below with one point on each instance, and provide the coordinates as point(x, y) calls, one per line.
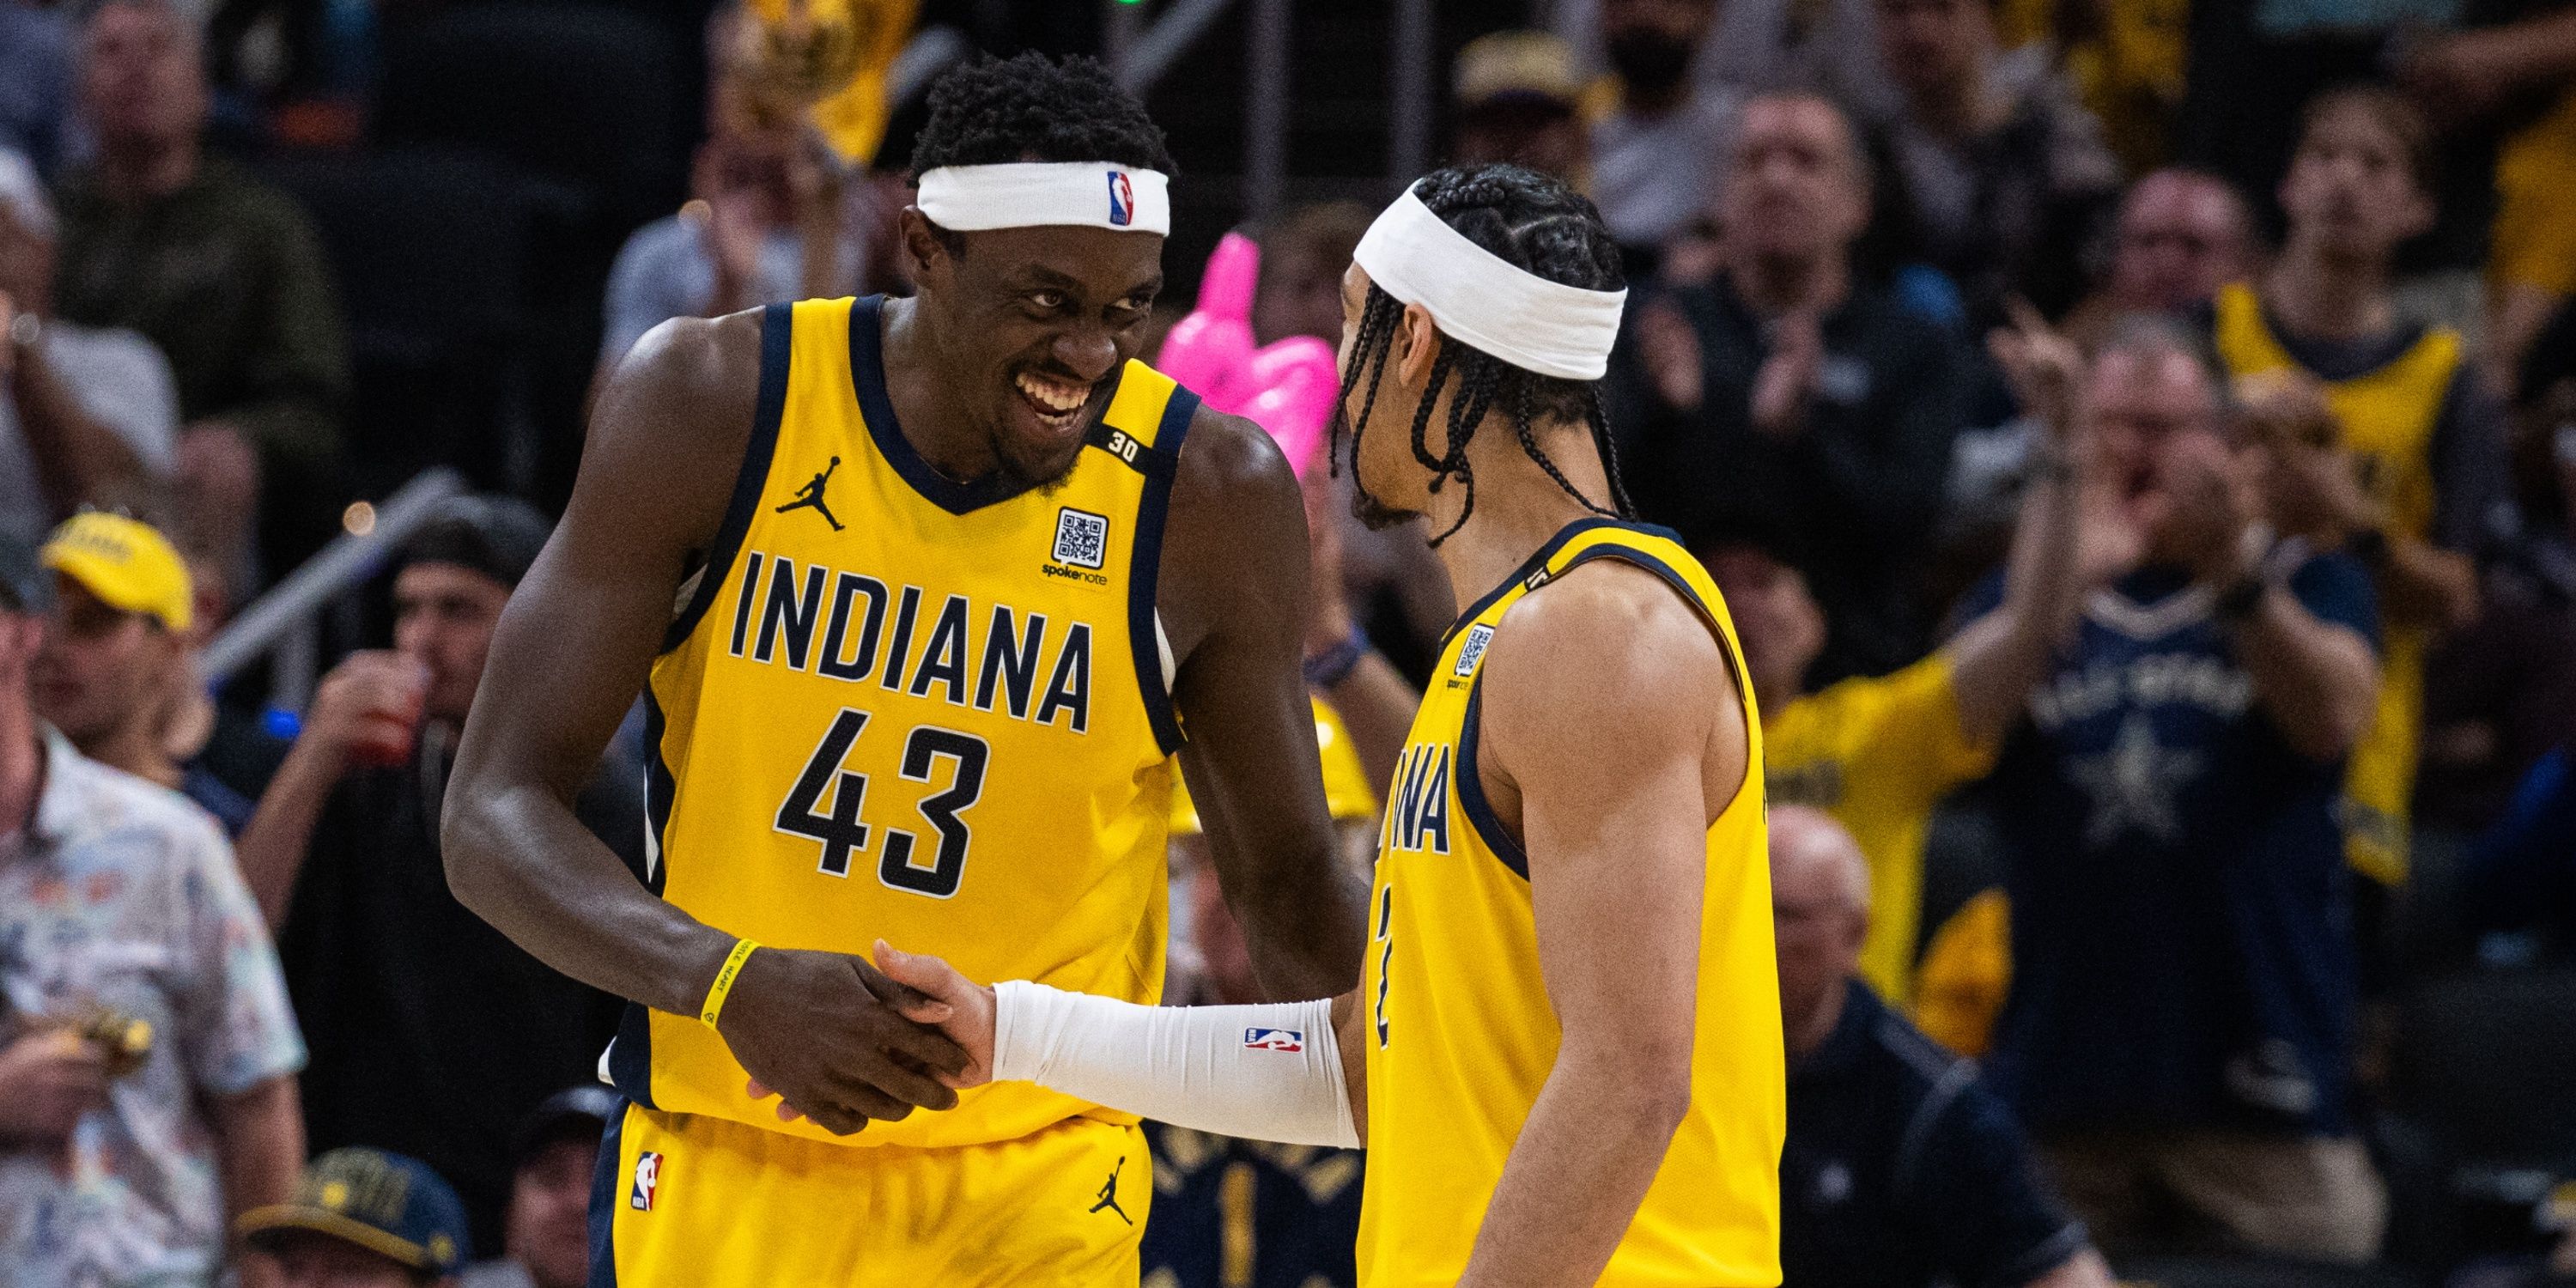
point(1122, 200)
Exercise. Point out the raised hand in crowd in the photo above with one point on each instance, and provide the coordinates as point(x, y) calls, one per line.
point(1787, 381)
point(365, 713)
point(49, 1077)
point(2310, 486)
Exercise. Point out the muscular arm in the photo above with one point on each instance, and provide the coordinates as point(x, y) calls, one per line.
point(1615, 829)
point(569, 656)
point(572, 649)
point(1234, 594)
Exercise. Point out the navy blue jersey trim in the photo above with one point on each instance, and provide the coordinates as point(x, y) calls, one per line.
point(1471, 787)
point(1531, 566)
point(630, 1056)
point(604, 1178)
point(1145, 567)
point(777, 330)
point(660, 785)
point(1471, 782)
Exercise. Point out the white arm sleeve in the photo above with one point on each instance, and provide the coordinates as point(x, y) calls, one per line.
point(1271, 1072)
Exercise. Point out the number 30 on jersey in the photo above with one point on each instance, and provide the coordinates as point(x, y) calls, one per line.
point(837, 824)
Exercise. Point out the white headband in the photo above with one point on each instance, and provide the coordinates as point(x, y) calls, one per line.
point(1031, 194)
point(1481, 299)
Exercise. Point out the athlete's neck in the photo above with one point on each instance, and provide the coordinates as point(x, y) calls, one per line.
point(931, 419)
point(2316, 293)
point(1518, 507)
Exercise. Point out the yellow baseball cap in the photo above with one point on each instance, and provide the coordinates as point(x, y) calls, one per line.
point(1347, 794)
point(127, 563)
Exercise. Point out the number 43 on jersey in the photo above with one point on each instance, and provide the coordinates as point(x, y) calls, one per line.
point(837, 826)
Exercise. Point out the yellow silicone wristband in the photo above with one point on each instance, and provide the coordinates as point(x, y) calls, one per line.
point(709, 1009)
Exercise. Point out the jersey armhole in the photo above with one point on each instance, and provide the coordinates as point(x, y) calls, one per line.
point(777, 330)
point(1471, 780)
point(1145, 567)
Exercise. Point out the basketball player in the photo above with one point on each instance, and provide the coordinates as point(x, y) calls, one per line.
point(932, 692)
point(1565, 1053)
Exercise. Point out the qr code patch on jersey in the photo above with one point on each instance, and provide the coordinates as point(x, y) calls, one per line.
point(1081, 538)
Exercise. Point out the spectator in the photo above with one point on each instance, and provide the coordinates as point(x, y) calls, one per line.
point(767, 221)
point(1518, 100)
point(1900, 1170)
point(555, 1152)
point(114, 674)
point(35, 82)
point(147, 1055)
point(1788, 401)
point(217, 269)
point(2180, 235)
point(1303, 256)
point(2180, 1030)
point(1878, 753)
point(1656, 157)
point(2003, 174)
point(2401, 397)
point(432, 1033)
point(363, 1218)
point(86, 416)
point(2490, 78)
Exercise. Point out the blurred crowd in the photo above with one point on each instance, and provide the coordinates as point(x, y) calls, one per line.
point(2136, 440)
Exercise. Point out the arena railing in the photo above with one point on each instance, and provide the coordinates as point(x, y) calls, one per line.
point(285, 624)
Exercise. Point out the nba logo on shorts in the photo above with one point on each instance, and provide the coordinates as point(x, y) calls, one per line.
point(648, 1178)
point(1273, 1040)
point(1122, 200)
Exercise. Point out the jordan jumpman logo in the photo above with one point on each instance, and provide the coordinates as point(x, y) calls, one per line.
point(1109, 1194)
point(811, 495)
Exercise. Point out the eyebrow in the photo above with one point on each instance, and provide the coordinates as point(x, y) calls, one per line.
point(1041, 275)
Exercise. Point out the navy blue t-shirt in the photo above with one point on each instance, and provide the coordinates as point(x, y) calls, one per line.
point(1250, 1212)
point(2182, 942)
point(1902, 1171)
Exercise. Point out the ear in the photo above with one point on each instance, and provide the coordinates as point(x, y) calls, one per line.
point(925, 256)
point(1415, 345)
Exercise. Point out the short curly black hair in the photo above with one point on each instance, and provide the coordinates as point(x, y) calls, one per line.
point(1532, 222)
point(994, 111)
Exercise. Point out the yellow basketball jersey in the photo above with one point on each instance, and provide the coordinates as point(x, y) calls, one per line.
point(898, 705)
point(2388, 418)
point(1461, 1035)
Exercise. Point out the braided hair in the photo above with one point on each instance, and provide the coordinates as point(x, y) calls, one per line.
point(1532, 222)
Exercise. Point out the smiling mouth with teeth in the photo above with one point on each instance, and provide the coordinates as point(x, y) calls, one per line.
point(1055, 401)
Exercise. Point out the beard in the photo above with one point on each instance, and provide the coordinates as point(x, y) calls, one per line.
point(1376, 515)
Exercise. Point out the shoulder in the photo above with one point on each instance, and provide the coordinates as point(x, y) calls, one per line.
point(684, 375)
point(673, 421)
point(2336, 586)
point(1231, 478)
point(1614, 639)
point(118, 802)
point(1230, 456)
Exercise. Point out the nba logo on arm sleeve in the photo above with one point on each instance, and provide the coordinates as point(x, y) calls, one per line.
point(648, 1179)
point(1122, 199)
point(1289, 1040)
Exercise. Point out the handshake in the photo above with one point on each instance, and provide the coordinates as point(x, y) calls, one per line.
point(839, 1040)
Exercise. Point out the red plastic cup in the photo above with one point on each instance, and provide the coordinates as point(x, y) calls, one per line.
point(386, 735)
